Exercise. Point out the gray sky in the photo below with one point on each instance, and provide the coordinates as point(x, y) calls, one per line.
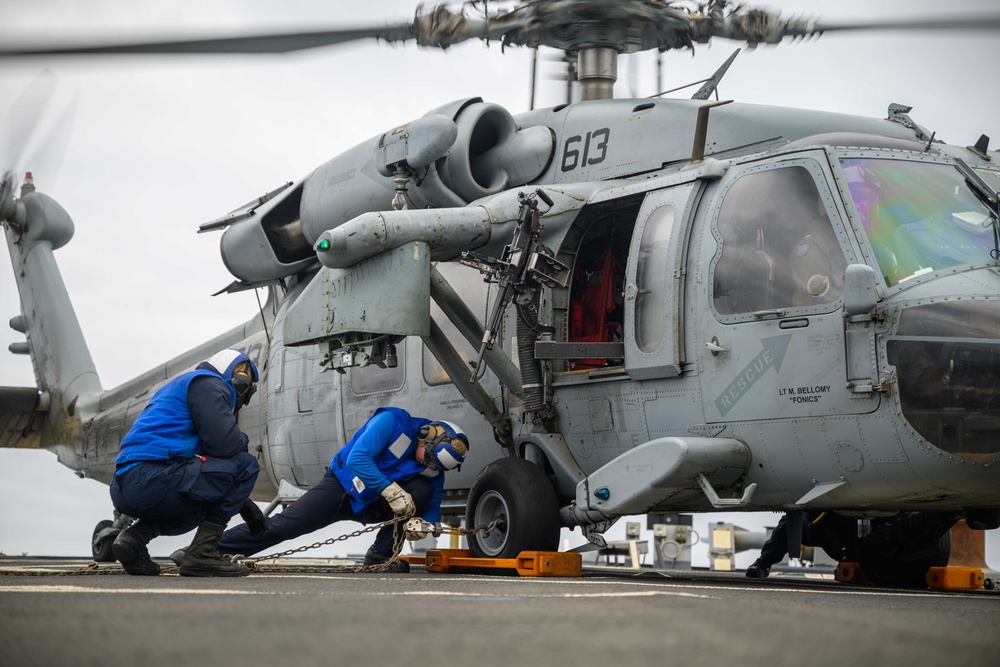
point(161, 145)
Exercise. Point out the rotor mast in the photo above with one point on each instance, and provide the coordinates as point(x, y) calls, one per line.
point(597, 71)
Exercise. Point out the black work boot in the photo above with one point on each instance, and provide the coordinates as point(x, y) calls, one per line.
point(376, 557)
point(130, 548)
point(758, 570)
point(178, 556)
point(202, 558)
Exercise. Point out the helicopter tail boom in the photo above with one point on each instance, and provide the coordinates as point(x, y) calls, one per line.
point(64, 370)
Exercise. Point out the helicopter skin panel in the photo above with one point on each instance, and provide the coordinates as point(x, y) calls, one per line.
point(387, 293)
point(18, 416)
point(608, 139)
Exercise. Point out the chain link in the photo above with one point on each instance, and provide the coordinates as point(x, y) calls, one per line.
point(91, 569)
point(398, 538)
point(484, 528)
point(255, 564)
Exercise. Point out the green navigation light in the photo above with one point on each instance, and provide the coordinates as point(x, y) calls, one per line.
point(324, 245)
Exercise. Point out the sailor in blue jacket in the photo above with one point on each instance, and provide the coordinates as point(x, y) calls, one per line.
point(184, 463)
point(394, 464)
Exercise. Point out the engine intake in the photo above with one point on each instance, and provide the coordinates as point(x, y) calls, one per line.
point(492, 154)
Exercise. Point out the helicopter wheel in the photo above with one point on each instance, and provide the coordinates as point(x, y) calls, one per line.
point(904, 565)
point(101, 546)
point(519, 493)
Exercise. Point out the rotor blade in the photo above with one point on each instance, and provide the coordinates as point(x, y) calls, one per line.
point(964, 23)
point(267, 43)
point(37, 130)
point(46, 156)
point(21, 121)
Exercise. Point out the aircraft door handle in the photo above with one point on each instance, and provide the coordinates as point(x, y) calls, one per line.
point(714, 347)
point(631, 290)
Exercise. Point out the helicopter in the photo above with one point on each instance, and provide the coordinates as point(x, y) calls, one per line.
point(709, 391)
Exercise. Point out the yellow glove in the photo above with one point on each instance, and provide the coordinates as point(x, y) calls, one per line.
point(399, 500)
point(417, 529)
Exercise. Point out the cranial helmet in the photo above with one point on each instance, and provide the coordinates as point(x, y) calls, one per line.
point(445, 445)
point(236, 368)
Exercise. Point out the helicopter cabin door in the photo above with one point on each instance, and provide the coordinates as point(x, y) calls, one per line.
point(654, 283)
point(772, 338)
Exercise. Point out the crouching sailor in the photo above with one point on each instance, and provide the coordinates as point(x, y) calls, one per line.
point(184, 464)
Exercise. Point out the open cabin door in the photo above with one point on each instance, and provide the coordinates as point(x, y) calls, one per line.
point(654, 278)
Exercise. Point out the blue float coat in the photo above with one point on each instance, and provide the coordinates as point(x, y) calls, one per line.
point(190, 415)
point(382, 452)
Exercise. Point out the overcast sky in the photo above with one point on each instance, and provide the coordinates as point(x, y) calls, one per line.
point(160, 145)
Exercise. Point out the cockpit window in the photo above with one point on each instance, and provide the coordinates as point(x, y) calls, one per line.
point(779, 249)
point(947, 361)
point(919, 216)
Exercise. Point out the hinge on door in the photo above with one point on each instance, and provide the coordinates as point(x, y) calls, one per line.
point(877, 316)
point(866, 388)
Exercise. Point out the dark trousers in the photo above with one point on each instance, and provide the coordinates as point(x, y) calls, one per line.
point(820, 534)
point(179, 495)
point(320, 506)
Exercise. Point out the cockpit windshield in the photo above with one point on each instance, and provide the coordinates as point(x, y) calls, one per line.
point(919, 216)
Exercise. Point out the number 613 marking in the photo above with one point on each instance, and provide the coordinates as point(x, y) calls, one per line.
point(596, 142)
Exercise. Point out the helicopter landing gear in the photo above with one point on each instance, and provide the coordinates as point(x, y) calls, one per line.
point(104, 536)
point(518, 493)
point(901, 551)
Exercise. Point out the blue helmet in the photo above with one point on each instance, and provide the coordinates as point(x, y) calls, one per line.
point(238, 370)
point(445, 445)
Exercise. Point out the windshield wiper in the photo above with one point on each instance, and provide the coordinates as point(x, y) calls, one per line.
point(988, 196)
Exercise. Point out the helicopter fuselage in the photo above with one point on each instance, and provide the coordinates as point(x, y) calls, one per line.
point(806, 318)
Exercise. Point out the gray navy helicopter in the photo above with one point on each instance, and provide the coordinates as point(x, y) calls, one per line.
point(648, 305)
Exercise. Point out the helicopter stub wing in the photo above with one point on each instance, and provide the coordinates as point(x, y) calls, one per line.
point(386, 294)
point(17, 417)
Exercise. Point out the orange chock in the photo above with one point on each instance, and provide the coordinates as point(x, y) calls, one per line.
point(850, 573)
point(955, 578)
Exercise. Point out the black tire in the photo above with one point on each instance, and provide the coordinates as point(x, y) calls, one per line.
point(520, 492)
point(906, 565)
point(102, 550)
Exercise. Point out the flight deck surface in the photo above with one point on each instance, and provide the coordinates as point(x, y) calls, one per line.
point(606, 615)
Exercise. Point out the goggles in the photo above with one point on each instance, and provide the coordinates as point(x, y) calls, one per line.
point(444, 447)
